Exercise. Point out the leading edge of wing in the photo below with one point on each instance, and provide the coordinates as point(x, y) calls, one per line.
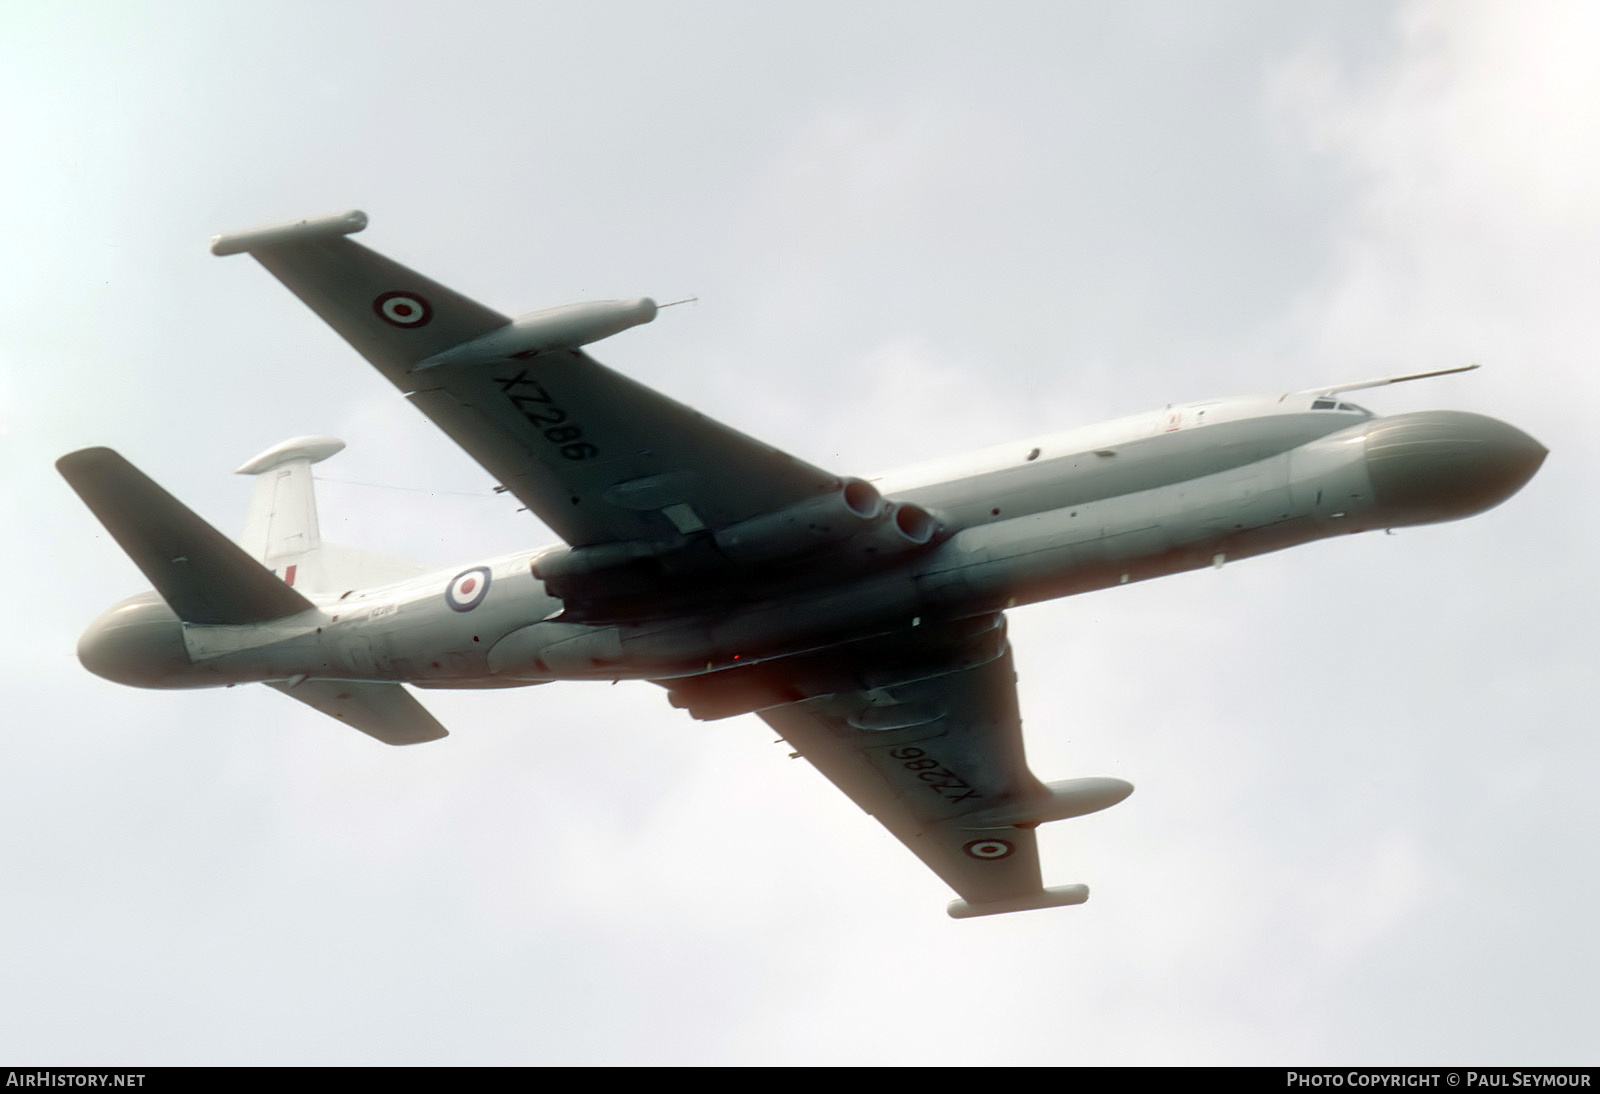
point(602, 458)
point(922, 781)
point(599, 457)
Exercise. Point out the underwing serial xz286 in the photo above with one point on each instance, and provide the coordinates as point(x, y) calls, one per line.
point(860, 618)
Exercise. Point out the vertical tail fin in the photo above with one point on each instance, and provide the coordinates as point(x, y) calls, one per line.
point(281, 530)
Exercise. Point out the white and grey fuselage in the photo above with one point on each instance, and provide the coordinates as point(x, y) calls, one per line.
point(861, 618)
point(1177, 489)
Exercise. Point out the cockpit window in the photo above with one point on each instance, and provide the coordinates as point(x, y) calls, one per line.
point(1348, 408)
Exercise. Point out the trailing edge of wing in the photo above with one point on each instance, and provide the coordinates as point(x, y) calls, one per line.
point(597, 456)
point(385, 711)
point(931, 746)
point(203, 575)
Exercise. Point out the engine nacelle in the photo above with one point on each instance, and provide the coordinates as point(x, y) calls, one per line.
point(906, 526)
point(565, 563)
point(852, 523)
point(804, 526)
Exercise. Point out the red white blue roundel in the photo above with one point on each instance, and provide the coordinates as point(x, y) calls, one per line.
point(468, 589)
point(402, 309)
point(988, 848)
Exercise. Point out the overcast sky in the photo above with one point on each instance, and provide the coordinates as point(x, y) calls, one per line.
point(1364, 827)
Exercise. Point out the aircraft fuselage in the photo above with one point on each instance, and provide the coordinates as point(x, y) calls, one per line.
point(863, 620)
point(1173, 490)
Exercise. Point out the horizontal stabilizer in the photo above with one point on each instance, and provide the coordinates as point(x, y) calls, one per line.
point(1057, 896)
point(386, 711)
point(204, 576)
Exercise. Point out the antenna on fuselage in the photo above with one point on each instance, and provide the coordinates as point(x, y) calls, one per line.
point(1360, 384)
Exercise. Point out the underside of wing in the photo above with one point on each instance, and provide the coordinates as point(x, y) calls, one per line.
point(600, 458)
point(923, 732)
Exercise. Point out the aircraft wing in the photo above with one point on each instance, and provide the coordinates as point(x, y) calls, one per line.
point(598, 457)
point(922, 731)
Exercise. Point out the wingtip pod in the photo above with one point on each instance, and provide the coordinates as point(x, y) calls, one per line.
point(294, 231)
point(1057, 896)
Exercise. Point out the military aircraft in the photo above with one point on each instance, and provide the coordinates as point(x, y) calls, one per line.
point(862, 618)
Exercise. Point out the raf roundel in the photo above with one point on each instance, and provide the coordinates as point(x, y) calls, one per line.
point(468, 589)
point(402, 309)
point(988, 848)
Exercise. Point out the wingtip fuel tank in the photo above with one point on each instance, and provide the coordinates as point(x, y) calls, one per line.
point(295, 231)
point(1057, 896)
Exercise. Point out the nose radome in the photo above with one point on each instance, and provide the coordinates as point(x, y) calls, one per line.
point(1446, 464)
